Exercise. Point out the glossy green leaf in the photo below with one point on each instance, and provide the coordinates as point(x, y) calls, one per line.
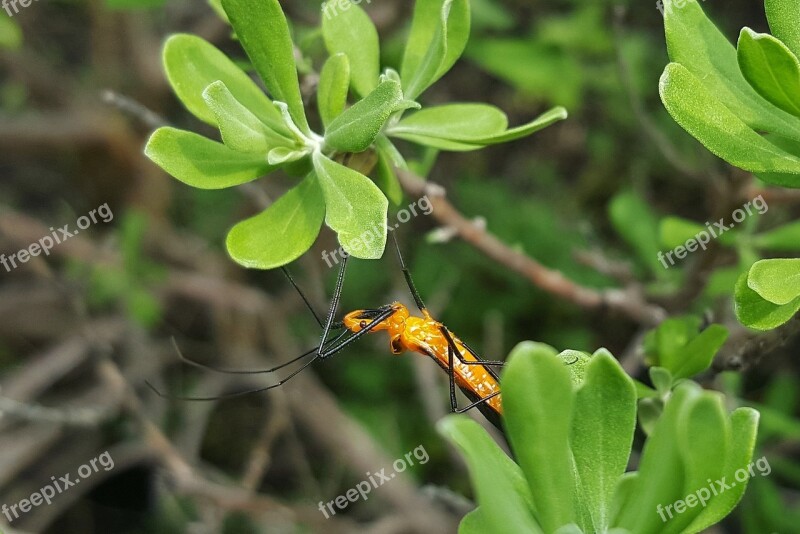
point(699, 353)
point(334, 84)
point(755, 312)
point(744, 426)
point(675, 231)
point(577, 363)
point(201, 162)
point(538, 405)
point(500, 487)
point(10, 33)
point(546, 119)
point(241, 130)
point(603, 424)
point(264, 33)
point(387, 179)
point(192, 64)
point(475, 522)
point(572, 528)
point(439, 34)
point(660, 479)
point(351, 32)
point(700, 112)
point(662, 379)
point(356, 129)
point(771, 68)
point(624, 496)
point(704, 439)
point(281, 233)
point(784, 22)
point(634, 221)
point(663, 344)
point(455, 122)
point(356, 208)
point(216, 5)
point(776, 280)
point(694, 42)
point(783, 238)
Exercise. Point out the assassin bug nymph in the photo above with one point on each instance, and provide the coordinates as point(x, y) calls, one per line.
point(421, 334)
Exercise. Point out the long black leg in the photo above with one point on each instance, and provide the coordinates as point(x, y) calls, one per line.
point(407, 275)
point(452, 350)
point(477, 357)
point(319, 355)
point(237, 393)
point(337, 295)
point(303, 296)
point(452, 377)
point(375, 322)
point(249, 372)
point(477, 403)
point(451, 343)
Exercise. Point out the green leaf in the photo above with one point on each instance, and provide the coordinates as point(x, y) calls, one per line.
point(744, 426)
point(201, 162)
point(603, 424)
point(241, 130)
point(387, 179)
point(334, 83)
point(704, 439)
point(264, 33)
point(783, 238)
point(538, 404)
point(784, 22)
point(678, 346)
point(10, 33)
point(634, 221)
point(700, 113)
point(755, 312)
point(356, 208)
point(350, 31)
point(281, 233)
point(694, 42)
point(675, 231)
point(699, 353)
point(664, 343)
point(501, 490)
point(771, 68)
point(662, 379)
point(661, 477)
point(475, 522)
point(546, 119)
point(356, 129)
point(455, 122)
point(776, 280)
point(439, 34)
point(192, 64)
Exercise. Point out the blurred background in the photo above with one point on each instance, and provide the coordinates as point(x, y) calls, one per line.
point(81, 329)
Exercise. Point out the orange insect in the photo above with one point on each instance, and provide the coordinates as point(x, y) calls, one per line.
point(424, 335)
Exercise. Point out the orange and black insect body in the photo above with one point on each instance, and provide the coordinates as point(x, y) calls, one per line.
point(427, 336)
point(407, 333)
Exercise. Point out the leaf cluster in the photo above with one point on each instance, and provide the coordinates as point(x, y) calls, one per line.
point(262, 133)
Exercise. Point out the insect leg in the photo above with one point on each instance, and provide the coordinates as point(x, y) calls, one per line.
point(337, 295)
point(451, 343)
point(407, 275)
point(477, 403)
point(303, 296)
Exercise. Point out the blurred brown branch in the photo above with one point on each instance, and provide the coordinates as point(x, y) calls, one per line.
point(629, 301)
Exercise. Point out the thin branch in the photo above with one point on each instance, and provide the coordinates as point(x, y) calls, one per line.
point(626, 301)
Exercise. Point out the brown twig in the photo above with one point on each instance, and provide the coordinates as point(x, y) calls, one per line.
point(626, 301)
